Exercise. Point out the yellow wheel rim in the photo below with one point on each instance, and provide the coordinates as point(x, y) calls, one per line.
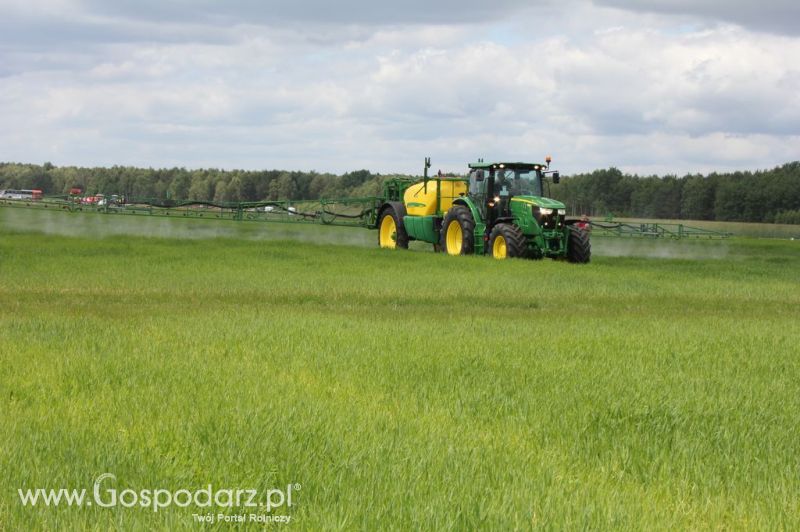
point(499, 248)
point(388, 233)
point(454, 238)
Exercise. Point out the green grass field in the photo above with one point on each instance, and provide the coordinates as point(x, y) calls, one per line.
point(401, 390)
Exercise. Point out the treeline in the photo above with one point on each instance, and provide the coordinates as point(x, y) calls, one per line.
point(763, 196)
point(183, 184)
point(771, 196)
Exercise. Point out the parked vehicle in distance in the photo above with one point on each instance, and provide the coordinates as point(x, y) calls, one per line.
point(92, 200)
point(111, 201)
point(34, 194)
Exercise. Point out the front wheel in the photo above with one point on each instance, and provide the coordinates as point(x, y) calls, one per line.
point(506, 241)
point(458, 231)
point(579, 248)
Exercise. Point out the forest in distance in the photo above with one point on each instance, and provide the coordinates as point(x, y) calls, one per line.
point(766, 196)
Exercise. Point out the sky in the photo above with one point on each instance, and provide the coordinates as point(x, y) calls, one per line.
point(648, 86)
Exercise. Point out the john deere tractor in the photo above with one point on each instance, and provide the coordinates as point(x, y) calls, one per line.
point(499, 209)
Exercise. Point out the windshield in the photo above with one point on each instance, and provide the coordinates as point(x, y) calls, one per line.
point(517, 182)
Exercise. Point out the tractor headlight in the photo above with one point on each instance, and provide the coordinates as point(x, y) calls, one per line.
point(549, 219)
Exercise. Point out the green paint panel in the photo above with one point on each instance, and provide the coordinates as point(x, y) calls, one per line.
point(421, 228)
point(539, 201)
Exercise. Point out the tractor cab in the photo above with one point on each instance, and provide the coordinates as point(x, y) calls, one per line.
point(493, 185)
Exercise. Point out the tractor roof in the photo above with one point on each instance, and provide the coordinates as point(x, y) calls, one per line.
point(525, 166)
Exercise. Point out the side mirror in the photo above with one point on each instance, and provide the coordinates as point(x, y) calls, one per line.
point(479, 175)
point(556, 177)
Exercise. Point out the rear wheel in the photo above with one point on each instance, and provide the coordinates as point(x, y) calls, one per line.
point(458, 231)
point(391, 232)
point(579, 248)
point(507, 241)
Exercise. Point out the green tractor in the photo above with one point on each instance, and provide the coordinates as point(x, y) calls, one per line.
point(500, 209)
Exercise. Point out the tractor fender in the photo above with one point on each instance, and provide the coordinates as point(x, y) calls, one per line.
point(468, 203)
point(500, 220)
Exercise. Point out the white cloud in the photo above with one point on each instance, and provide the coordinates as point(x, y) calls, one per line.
point(595, 86)
point(774, 16)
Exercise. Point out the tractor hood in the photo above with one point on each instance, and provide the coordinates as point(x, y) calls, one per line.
point(540, 201)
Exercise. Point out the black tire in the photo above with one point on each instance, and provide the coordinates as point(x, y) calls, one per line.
point(506, 241)
point(458, 214)
point(396, 211)
point(579, 248)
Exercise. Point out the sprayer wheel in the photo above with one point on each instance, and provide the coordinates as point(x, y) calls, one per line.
point(391, 231)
